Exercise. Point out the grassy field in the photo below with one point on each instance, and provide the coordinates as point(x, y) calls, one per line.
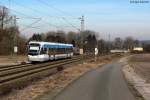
point(141, 65)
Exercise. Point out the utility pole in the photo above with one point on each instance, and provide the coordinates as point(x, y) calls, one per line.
point(81, 35)
point(82, 27)
point(15, 24)
point(109, 42)
point(82, 23)
point(15, 36)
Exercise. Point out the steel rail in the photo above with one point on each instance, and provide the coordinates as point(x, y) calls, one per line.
point(27, 68)
point(25, 74)
point(9, 67)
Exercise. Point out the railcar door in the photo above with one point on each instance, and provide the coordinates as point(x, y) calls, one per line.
point(51, 53)
point(44, 54)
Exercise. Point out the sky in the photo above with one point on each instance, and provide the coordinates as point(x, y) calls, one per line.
point(117, 18)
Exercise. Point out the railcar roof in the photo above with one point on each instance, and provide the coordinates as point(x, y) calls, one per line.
point(50, 43)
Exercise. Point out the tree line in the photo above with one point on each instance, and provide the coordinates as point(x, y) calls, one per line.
point(9, 34)
point(88, 40)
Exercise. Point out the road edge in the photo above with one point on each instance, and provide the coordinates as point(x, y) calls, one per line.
point(134, 80)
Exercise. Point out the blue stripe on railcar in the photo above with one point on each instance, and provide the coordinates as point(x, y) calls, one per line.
point(56, 46)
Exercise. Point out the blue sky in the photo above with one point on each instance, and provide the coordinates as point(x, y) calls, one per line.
point(114, 17)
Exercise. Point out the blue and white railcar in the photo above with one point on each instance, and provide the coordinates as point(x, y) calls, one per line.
point(44, 51)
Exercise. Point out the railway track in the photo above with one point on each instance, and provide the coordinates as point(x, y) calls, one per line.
point(18, 75)
point(3, 68)
point(16, 67)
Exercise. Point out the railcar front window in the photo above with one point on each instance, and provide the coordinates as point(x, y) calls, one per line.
point(34, 45)
point(33, 52)
point(34, 49)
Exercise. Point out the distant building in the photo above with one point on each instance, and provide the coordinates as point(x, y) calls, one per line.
point(119, 51)
point(138, 49)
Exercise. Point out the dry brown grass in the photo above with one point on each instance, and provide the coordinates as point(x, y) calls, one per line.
point(9, 60)
point(141, 65)
point(140, 58)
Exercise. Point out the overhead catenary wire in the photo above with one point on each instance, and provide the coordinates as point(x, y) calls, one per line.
point(29, 17)
point(65, 13)
point(26, 16)
point(71, 24)
point(35, 27)
point(51, 6)
point(31, 25)
point(34, 10)
point(38, 11)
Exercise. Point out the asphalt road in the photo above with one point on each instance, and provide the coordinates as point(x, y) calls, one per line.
point(104, 83)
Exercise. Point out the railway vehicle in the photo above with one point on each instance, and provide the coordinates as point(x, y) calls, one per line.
point(44, 51)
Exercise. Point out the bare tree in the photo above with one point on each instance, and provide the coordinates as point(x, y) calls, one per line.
point(3, 15)
point(129, 43)
point(36, 37)
point(118, 43)
point(103, 46)
point(5, 19)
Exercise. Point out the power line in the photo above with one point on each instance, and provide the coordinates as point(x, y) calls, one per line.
point(35, 27)
point(31, 25)
point(29, 17)
point(34, 10)
point(26, 16)
point(71, 24)
point(50, 6)
point(37, 11)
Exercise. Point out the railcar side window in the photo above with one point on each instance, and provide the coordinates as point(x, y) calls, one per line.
point(44, 51)
point(64, 51)
point(50, 51)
